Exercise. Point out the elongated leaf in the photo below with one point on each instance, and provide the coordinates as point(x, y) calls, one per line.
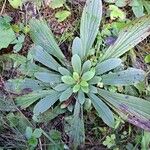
point(61, 87)
point(86, 66)
point(76, 128)
point(90, 22)
point(28, 99)
point(66, 94)
point(135, 110)
point(7, 104)
point(88, 75)
point(68, 80)
point(95, 80)
point(130, 36)
point(48, 77)
point(76, 63)
point(45, 103)
point(128, 77)
point(104, 112)
point(39, 54)
point(42, 35)
point(81, 97)
point(107, 65)
point(77, 47)
point(64, 71)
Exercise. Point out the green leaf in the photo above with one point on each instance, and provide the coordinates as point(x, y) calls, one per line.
point(76, 76)
point(61, 87)
point(37, 133)
point(77, 47)
point(137, 7)
point(46, 77)
point(62, 15)
point(131, 35)
point(76, 128)
point(42, 35)
point(64, 71)
point(76, 88)
point(66, 94)
point(85, 89)
point(68, 80)
point(45, 103)
point(57, 3)
point(147, 59)
point(86, 66)
point(127, 77)
point(84, 83)
point(76, 63)
point(88, 75)
point(95, 80)
point(116, 13)
point(104, 112)
point(28, 99)
point(90, 22)
point(40, 55)
point(133, 109)
point(93, 89)
point(81, 97)
point(15, 3)
point(50, 114)
point(28, 132)
point(7, 34)
point(107, 65)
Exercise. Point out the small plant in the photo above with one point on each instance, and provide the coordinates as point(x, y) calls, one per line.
point(71, 84)
point(32, 136)
point(110, 141)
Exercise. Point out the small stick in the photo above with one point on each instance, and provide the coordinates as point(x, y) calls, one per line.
point(3, 8)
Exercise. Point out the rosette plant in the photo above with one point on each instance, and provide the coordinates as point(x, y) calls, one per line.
point(74, 82)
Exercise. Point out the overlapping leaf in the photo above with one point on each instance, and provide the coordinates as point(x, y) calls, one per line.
point(130, 36)
point(42, 35)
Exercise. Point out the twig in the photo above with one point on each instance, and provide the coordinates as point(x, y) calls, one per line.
point(3, 8)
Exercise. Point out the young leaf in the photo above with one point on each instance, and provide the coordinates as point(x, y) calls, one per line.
point(45, 103)
point(128, 77)
point(131, 35)
point(46, 77)
point(40, 55)
point(85, 89)
point(104, 112)
point(76, 63)
point(15, 3)
point(84, 83)
point(28, 99)
point(42, 35)
point(77, 47)
point(68, 80)
point(76, 88)
point(62, 15)
point(90, 22)
point(66, 94)
point(107, 65)
point(76, 76)
point(86, 66)
point(88, 75)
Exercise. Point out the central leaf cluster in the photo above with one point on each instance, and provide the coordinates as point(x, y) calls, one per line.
point(80, 76)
